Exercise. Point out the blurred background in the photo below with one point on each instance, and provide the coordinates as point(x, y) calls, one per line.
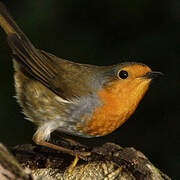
point(105, 33)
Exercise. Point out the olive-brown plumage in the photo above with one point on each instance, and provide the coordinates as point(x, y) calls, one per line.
point(77, 99)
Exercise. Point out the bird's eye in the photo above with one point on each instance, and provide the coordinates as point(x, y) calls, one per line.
point(123, 74)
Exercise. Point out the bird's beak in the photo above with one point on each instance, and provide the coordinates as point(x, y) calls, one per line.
point(153, 74)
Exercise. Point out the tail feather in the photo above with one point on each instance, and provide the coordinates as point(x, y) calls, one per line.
point(7, 22)
point(33, 60)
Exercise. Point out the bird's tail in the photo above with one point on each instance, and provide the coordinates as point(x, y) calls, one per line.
point(37, 63)
point(7, 22)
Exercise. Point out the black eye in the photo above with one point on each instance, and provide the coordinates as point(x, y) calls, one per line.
point(123, 74)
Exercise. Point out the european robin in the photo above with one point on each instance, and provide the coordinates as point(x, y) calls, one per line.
point(77, 99)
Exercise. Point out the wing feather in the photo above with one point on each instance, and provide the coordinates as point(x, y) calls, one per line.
point(65, 78)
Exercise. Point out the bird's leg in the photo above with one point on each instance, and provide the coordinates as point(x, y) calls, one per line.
point(60, 148)
point(73, 164)
point(43, 134)
point(77, 154)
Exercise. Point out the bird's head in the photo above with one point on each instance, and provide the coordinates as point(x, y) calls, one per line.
point(129, 79)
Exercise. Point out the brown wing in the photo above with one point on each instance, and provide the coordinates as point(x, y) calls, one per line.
point(33, 61)
point(65, 78)
point(55, 73)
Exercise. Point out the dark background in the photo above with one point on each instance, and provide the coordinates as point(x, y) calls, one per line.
point(105, 33)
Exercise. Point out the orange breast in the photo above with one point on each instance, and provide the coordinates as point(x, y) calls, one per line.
point(118, 105)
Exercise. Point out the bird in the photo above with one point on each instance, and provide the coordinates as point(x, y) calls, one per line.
point(59, 95)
